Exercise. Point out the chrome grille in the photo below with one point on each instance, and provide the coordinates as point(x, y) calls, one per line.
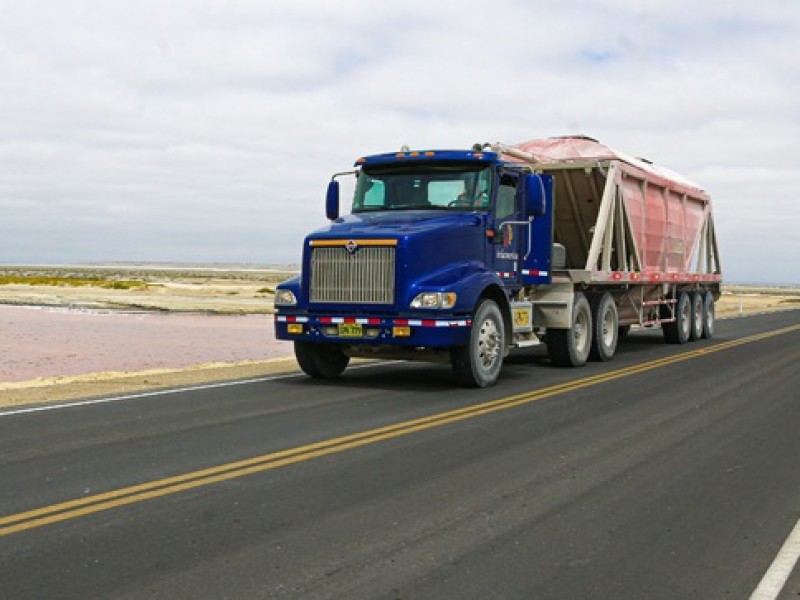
point(365, 276)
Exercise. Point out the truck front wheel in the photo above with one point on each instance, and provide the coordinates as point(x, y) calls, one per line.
point(478, 363)
point(570, 347)
point(321, 361)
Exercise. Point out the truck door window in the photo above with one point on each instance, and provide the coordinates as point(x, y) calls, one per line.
point(506, 197)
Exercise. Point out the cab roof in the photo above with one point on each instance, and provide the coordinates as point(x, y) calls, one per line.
point(405, 156)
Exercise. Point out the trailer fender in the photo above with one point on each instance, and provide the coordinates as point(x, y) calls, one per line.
point(552, 306)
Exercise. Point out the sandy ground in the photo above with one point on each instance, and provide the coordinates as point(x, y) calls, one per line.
point(176, 290)
point(76, 343)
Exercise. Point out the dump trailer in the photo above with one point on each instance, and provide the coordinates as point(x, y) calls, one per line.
point(459, 256)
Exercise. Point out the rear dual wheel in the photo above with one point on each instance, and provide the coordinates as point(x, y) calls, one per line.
point(709, 315)
point(679, 330)
point(696, 332)
point(571, 347)
point(605, 327)
point(694, 318)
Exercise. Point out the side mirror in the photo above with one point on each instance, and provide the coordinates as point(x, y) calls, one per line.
point(332, 201)
point(535, 200)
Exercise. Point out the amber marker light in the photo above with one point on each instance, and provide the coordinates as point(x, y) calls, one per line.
point(401, 331)
point(295, 328)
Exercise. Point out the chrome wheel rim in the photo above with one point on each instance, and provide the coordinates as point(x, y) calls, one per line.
point(581, 332)
point(686, 317)
point(710, 320)
point(609, 328)
point(490, 342)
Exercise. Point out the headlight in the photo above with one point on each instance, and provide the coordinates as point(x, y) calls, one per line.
point(285, 298)
point(434, 300)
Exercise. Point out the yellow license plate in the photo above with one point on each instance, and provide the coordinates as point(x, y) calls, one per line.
point(350, 330)
point(522, 317)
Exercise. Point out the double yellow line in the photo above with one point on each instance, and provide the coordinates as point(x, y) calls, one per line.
point(63, 511)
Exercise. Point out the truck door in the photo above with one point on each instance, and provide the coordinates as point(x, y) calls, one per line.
point(510, 230)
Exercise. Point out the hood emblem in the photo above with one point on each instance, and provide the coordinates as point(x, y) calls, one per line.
point(351, 246)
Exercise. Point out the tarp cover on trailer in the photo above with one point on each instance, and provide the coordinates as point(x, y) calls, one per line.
point(579, 147)
point(616, 214)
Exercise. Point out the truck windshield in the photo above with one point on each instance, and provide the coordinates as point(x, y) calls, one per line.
point(423, 187)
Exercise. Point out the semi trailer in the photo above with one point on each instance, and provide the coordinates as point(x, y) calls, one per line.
point(459, 256)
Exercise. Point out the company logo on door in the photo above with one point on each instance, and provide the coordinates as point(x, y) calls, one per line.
point(508, 234)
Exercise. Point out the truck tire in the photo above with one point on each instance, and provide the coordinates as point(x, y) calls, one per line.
point(696, 331)
point(709, 314)
point(677, 332)
point(478, 363)
point(321, 361)
point(570, 347)
point(605, 328)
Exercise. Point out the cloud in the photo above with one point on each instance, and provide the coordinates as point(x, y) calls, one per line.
point(189, 131)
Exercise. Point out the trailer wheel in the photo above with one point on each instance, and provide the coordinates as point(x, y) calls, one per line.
point(677, 332)
point(478, 363)
point(570, 347)
point(709, 313)
point(321, 361)
point(605, 324)
point(698, 315)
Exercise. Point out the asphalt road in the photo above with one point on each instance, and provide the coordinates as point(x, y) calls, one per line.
point(670, 472)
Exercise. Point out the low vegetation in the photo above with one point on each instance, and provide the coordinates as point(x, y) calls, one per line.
point(108, 284)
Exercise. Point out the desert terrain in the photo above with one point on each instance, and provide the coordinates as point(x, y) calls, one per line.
point(79, 331)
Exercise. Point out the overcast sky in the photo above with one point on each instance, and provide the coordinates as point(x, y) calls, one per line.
point(207, 131)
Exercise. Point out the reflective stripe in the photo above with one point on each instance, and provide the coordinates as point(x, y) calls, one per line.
point(377, 321)
point(290, 319)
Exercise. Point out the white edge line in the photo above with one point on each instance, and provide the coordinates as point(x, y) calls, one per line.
point(781, 568)
point(164, 392)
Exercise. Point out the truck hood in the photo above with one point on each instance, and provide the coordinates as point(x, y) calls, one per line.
point(401, 225)
point(433, 247)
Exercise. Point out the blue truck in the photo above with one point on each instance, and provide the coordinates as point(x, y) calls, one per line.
point(458, 256)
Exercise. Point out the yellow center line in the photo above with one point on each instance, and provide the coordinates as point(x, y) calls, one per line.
point(170, 485)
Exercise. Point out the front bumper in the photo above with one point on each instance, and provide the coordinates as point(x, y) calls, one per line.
point(438, 332)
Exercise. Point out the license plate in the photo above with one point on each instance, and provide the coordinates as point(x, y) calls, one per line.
point(350, 330)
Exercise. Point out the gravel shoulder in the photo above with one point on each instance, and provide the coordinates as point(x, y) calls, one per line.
point(48, 390)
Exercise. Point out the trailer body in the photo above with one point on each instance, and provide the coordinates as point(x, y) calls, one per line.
point(459, 256)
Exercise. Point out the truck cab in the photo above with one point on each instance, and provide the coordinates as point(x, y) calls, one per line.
point(425, 267)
